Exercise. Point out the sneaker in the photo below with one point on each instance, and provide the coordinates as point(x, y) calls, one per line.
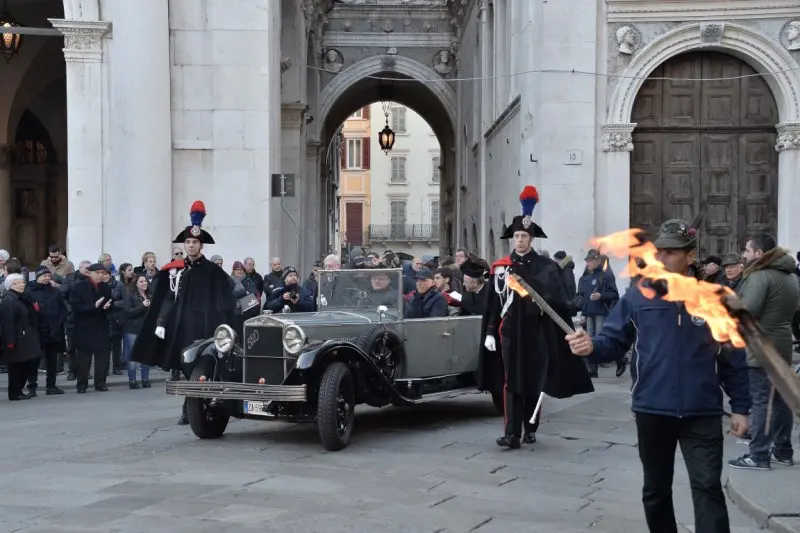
point(788, 461)
point(748, 463)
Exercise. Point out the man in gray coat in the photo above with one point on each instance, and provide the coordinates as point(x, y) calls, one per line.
point(769, 290)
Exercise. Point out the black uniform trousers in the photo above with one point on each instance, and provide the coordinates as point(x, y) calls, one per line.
point(518, 412)
point(84, 363)
point(700, 438)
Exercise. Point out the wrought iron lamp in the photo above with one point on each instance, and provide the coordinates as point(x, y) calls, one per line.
point(386, 135)
point(9, 42)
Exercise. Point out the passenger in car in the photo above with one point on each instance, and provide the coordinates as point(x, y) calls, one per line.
point(443, 277)
point(426, 302)
point(475, 298)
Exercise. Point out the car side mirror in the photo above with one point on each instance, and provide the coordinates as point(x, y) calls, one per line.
point(382, 309)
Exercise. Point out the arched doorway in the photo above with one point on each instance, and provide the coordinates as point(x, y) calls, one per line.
point(705, 147)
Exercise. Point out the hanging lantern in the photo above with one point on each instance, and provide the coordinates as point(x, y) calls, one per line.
point(9, 42)
point(386, 135)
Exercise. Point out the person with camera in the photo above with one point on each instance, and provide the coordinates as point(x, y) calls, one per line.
point(290, 297)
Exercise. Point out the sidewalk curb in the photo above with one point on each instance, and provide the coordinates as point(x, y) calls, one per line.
point(762, 517)
point(109, 384)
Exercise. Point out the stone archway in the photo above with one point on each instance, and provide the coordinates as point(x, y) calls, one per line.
point(86, 10)
point(764, 55)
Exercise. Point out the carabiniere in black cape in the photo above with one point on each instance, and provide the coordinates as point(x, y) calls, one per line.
point(204, 301)
point(538, 355)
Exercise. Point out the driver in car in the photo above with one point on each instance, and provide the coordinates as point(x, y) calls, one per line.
point(381, 291)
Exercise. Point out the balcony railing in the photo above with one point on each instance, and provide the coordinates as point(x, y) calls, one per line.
point(403, 232)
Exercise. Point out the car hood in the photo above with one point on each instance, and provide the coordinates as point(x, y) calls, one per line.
point(321, 317)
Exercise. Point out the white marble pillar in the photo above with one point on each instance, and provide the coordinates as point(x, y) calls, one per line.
point(788, 146)
point(5, 198)
point(138, 191)
point(83, 51)
point(613, 187)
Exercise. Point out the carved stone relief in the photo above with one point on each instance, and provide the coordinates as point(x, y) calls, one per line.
point(347, 25)
point(334, 60)
point(387, 26)
point(629, 39)
point(83, 40)
point(443, 62)
point(790, 35)
point(711, 33)
point(389, 59)
point(618, 137)
point(788, 136)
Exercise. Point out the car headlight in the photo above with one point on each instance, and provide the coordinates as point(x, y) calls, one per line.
point(224, 338)
point(294, 338)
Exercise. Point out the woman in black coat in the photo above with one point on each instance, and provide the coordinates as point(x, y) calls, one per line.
point(133, 306)
point(19, 323)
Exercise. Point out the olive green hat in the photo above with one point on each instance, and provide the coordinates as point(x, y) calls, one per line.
point(675, 234)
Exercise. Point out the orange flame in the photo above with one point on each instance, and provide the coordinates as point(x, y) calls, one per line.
point(514, 285)
point(702, 299)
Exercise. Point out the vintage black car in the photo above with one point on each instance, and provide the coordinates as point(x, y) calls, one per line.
point(316, 367)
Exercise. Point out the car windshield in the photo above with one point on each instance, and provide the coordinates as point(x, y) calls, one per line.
point(360, 289)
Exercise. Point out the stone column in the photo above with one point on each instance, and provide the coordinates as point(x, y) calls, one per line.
point(138, 190)
point(5, 198)
point(83, 51)
point(788, 146)
point(613, 188)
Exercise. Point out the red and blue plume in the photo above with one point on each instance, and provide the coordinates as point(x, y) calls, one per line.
point(528, 198)
point(197, 213)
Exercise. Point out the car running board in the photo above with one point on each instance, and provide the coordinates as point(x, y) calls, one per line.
point(452, 393)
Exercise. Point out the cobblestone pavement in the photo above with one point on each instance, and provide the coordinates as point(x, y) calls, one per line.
point(116, 462)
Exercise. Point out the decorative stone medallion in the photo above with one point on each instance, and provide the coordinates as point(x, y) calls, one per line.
point(333, 60)
point(628, 39)
point(387, 26)
point(790, 35)
point(711, 34)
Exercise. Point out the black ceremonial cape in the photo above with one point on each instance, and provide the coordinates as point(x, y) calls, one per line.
point(205, 301)
point(534, 351)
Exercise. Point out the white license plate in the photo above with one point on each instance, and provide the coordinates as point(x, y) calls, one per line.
point(256, 408)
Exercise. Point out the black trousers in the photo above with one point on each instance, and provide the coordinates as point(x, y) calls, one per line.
point(796, 326)
point(700, 439)
point(518, 412)
point(84, 363)
point(51, 365)
point(72, 360)
point(17, 376)
point(117, 359)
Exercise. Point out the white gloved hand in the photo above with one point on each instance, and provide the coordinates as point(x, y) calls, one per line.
point(490, 344)
point(323, 301)
point(455, 296)
point(160, 332)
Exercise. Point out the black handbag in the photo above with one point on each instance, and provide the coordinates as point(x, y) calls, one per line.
point(248, 302)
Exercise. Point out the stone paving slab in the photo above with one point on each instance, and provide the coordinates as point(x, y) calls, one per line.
point(115, 462)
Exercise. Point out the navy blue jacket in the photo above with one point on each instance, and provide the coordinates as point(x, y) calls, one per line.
point(305, 300)
point(681, 370)
point(432, 304)
point(601, 281)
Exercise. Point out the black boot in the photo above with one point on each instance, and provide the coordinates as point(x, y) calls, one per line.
point(184, 419)
point(146, 384)
point(509, 441)
point(529, 437)
point(32, 392)
point(53, 391)
point(133, 384)
point(622, 366)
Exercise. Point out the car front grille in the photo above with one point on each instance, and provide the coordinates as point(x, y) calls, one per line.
point(263, 355)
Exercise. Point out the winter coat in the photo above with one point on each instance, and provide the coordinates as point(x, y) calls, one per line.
point(19, 324)
point(769, 290)
point(66, 290)
point(132, 312)
point(680, 369)
point(305, 301)
point(432, 304)
point(567, 267)
point(91, 329)
point(601, 281)
point(52, 313)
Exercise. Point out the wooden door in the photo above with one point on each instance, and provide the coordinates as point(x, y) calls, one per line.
point(354, 223)
point(705, 147)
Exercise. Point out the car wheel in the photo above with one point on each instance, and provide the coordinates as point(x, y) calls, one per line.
point(336, 407)
point(206, 422)
point(499, 403)
point(386, 348)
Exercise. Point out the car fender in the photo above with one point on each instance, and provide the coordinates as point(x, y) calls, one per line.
point(312, 363)
point(205, 349)
point(192, 352)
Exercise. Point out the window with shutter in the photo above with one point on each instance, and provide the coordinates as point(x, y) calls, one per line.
point(365, 155)
point(399, 119)
point(365, 113)
point(398, 170)
point(355, 153)
point(435, 217)
point(397, 218)
point(436, 161)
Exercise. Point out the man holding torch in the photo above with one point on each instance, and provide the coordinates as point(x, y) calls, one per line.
point(534, 359)
point(676, 398)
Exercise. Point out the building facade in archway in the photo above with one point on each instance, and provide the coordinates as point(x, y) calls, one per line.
point(221, 96)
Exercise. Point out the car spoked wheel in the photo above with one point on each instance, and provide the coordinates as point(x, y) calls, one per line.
point(336, 407)
point(385, 347)
point(208, 421)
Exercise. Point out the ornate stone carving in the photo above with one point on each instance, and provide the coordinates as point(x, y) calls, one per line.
point(790, 35)
point(387, 26)
point(83, 40)
point(629, 38)
point(711, 33)
point(788, 136)
point(428, 26)
point(347, 25)
point(334, 60)
point(389, 59)
point(286, 64)
point(443, 62)
point(618, 137)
